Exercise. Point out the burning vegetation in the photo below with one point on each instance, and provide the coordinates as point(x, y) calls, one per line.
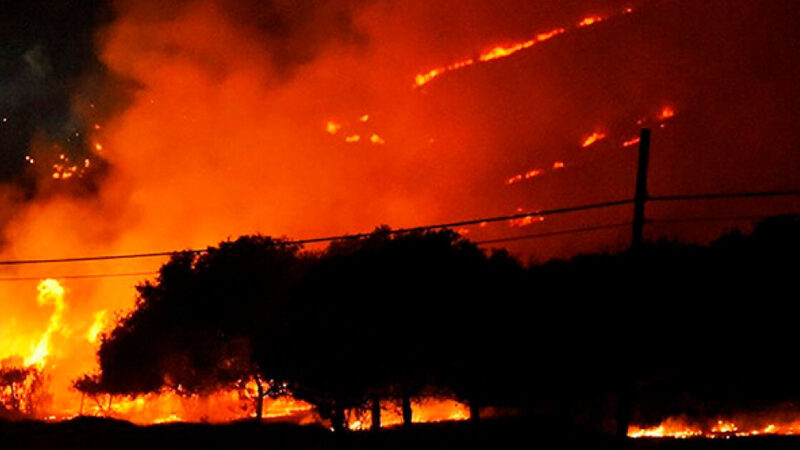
point(310, 134)
point(259, 327)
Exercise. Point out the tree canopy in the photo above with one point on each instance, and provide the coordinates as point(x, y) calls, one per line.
point(395, 316)
point(193, 330)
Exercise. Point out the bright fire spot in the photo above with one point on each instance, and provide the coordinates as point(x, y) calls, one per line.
point(377, 140)
point(631, 142)
point(50, 293)
point(591, 20)
point(98, 325)
point(515, 179)
point(352, 139)
point(558, 165)
point(525, 221)
point(98, 146)
point(723, 426)
point(533, 173)
point(593, 139)
point(63, 171)
point(364, 118)
point(667, 113)
point(97, 126)
point(332, 127)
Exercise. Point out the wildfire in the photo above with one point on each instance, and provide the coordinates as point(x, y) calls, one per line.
point(591, 20)
point(168, 406)
point(525, 221)
point(100, 323)
point(679, 428)
point(351, 137)
point(50, 293)
point(631, 142)
point(64, 170)
point(594, 138)
point(504, 51)
point(426, 410)
point(33, 367)
point(377, 140)
point(332, 127)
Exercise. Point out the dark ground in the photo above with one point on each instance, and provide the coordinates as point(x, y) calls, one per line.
point(91, 433)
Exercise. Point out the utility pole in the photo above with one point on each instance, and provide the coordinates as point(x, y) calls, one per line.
point(625, 387)
point(641, 189)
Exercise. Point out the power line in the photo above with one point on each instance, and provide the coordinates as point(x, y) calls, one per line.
point(79, 277)
point(432, 227)
point(708, 219)
point(556, 233)
point(333, 238)
point(723, 195)
point(482, 242)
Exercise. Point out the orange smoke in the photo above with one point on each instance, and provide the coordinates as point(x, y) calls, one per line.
point(214, 143)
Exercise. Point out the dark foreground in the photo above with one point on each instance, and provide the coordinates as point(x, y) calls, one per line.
point(90, 434)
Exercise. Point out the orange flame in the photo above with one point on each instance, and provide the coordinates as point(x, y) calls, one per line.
point(332, 127)
point(631, 142)
point(503, 51)
point(595, 137)
point(680, 428)
point(50, 293)
point(591, 20)
point(667, 113)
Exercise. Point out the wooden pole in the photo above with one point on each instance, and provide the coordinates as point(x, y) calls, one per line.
point(640, 198)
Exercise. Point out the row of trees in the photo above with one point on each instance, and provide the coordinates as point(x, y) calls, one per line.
point(394, 316)
point(383, 317)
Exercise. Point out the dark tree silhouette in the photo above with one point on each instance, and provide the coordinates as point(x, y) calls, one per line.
point(193, 329)
point(670, 322)
point(394, 316)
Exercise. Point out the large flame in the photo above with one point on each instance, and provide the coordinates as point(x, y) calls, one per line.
point(51, 293)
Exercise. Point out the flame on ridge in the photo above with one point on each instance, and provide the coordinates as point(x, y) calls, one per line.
point(503, 51)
